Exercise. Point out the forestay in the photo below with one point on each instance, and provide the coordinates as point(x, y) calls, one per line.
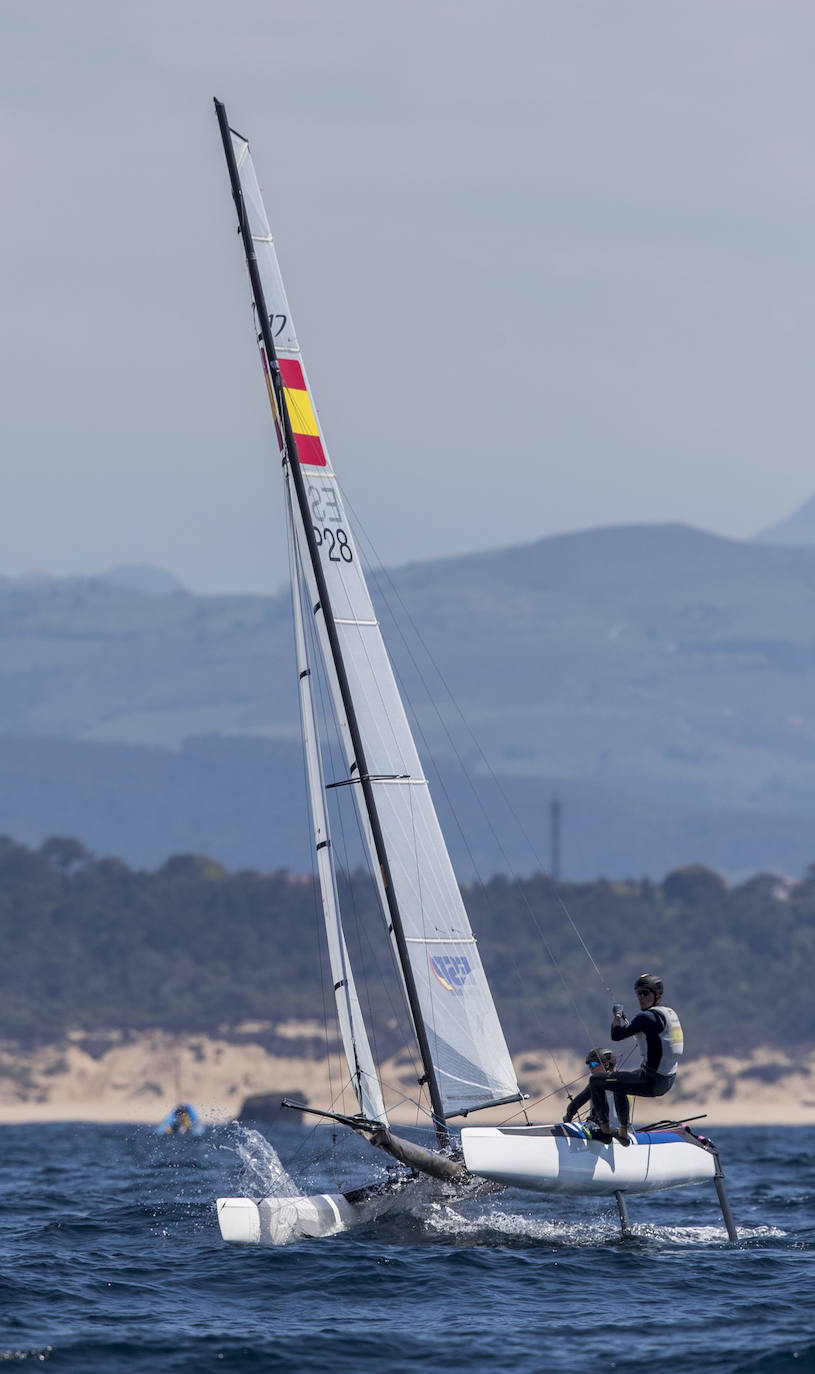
point(461, 1026)
point(352, 1026)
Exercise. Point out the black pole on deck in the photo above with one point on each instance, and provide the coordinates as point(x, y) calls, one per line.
point(331, 630)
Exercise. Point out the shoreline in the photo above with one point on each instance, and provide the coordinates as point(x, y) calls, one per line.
point(138, 1079)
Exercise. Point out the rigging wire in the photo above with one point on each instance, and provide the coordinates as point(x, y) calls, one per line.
point(586, 949)
point(382, 575)
point(323, 738)
point(404, 768)
point(331, 738)
point(428, 753)
point(532, 915)
point(386, 717)
point(297, 591)
point(326, 740)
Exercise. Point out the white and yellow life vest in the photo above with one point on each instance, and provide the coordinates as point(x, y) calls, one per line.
point(671, 1039)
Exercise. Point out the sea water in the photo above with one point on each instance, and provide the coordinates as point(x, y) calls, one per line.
point(111, 1259)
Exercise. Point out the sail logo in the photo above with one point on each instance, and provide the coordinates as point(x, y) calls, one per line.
point(451, 970)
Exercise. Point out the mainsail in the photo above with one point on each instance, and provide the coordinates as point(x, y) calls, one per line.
point(466, 1060)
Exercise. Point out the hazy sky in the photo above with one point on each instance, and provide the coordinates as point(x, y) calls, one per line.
point(552, 265)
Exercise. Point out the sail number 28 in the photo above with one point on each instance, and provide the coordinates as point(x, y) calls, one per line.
point(325, 510)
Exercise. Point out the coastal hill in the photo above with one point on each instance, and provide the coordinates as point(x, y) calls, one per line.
point(658, 679)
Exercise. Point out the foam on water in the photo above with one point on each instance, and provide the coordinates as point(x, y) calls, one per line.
point(447, 1220)
point(19, 1356)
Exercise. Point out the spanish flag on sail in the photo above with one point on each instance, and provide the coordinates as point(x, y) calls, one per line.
point(302, 419)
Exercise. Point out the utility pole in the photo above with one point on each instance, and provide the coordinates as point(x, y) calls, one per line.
point(554, 838)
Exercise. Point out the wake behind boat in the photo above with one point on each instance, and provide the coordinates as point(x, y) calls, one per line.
point(466, 1065)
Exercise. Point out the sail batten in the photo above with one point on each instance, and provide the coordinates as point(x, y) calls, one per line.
point(450, 1001)
point(436, 940)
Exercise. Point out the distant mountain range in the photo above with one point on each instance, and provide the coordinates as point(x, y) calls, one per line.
point(242, 801)
point(797, 529)
point(139, 577)
point(659, 679)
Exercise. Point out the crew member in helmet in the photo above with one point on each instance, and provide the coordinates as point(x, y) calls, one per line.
point(659, 1036)
point(599, 1061)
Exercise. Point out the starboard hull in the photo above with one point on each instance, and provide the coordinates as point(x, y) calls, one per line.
point(562, 1159)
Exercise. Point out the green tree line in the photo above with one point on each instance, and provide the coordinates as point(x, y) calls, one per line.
point(91, 944)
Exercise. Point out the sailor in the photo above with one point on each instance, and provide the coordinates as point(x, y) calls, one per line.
point(659, 1036)
point(181, 1120)
point(599, 1061)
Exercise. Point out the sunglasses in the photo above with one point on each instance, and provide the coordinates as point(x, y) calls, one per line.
point(594, 1063)
point(646, 992)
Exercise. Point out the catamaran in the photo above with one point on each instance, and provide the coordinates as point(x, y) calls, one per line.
point(466, 1065)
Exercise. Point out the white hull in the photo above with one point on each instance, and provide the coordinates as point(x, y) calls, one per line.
point(280, 1220)
point(560, 1159)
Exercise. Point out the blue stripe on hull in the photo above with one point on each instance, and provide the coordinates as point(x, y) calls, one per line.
point(656, 1137)
point(637, 1137)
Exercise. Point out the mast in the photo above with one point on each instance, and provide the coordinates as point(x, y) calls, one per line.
point(324, 604)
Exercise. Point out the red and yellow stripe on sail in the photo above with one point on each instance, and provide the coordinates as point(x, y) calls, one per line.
point(301, 416)
point(302, 419)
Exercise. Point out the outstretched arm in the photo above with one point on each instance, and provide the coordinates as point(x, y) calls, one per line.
point(576, 1103)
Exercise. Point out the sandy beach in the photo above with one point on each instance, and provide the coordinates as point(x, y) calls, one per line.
point(114, 1077)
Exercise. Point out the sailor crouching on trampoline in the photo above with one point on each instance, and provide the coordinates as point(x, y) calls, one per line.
point(599, 1061)
point(659, 1036)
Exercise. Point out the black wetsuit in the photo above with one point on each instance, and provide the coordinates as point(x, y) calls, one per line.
point(620, 1104)
point(645, 1081)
